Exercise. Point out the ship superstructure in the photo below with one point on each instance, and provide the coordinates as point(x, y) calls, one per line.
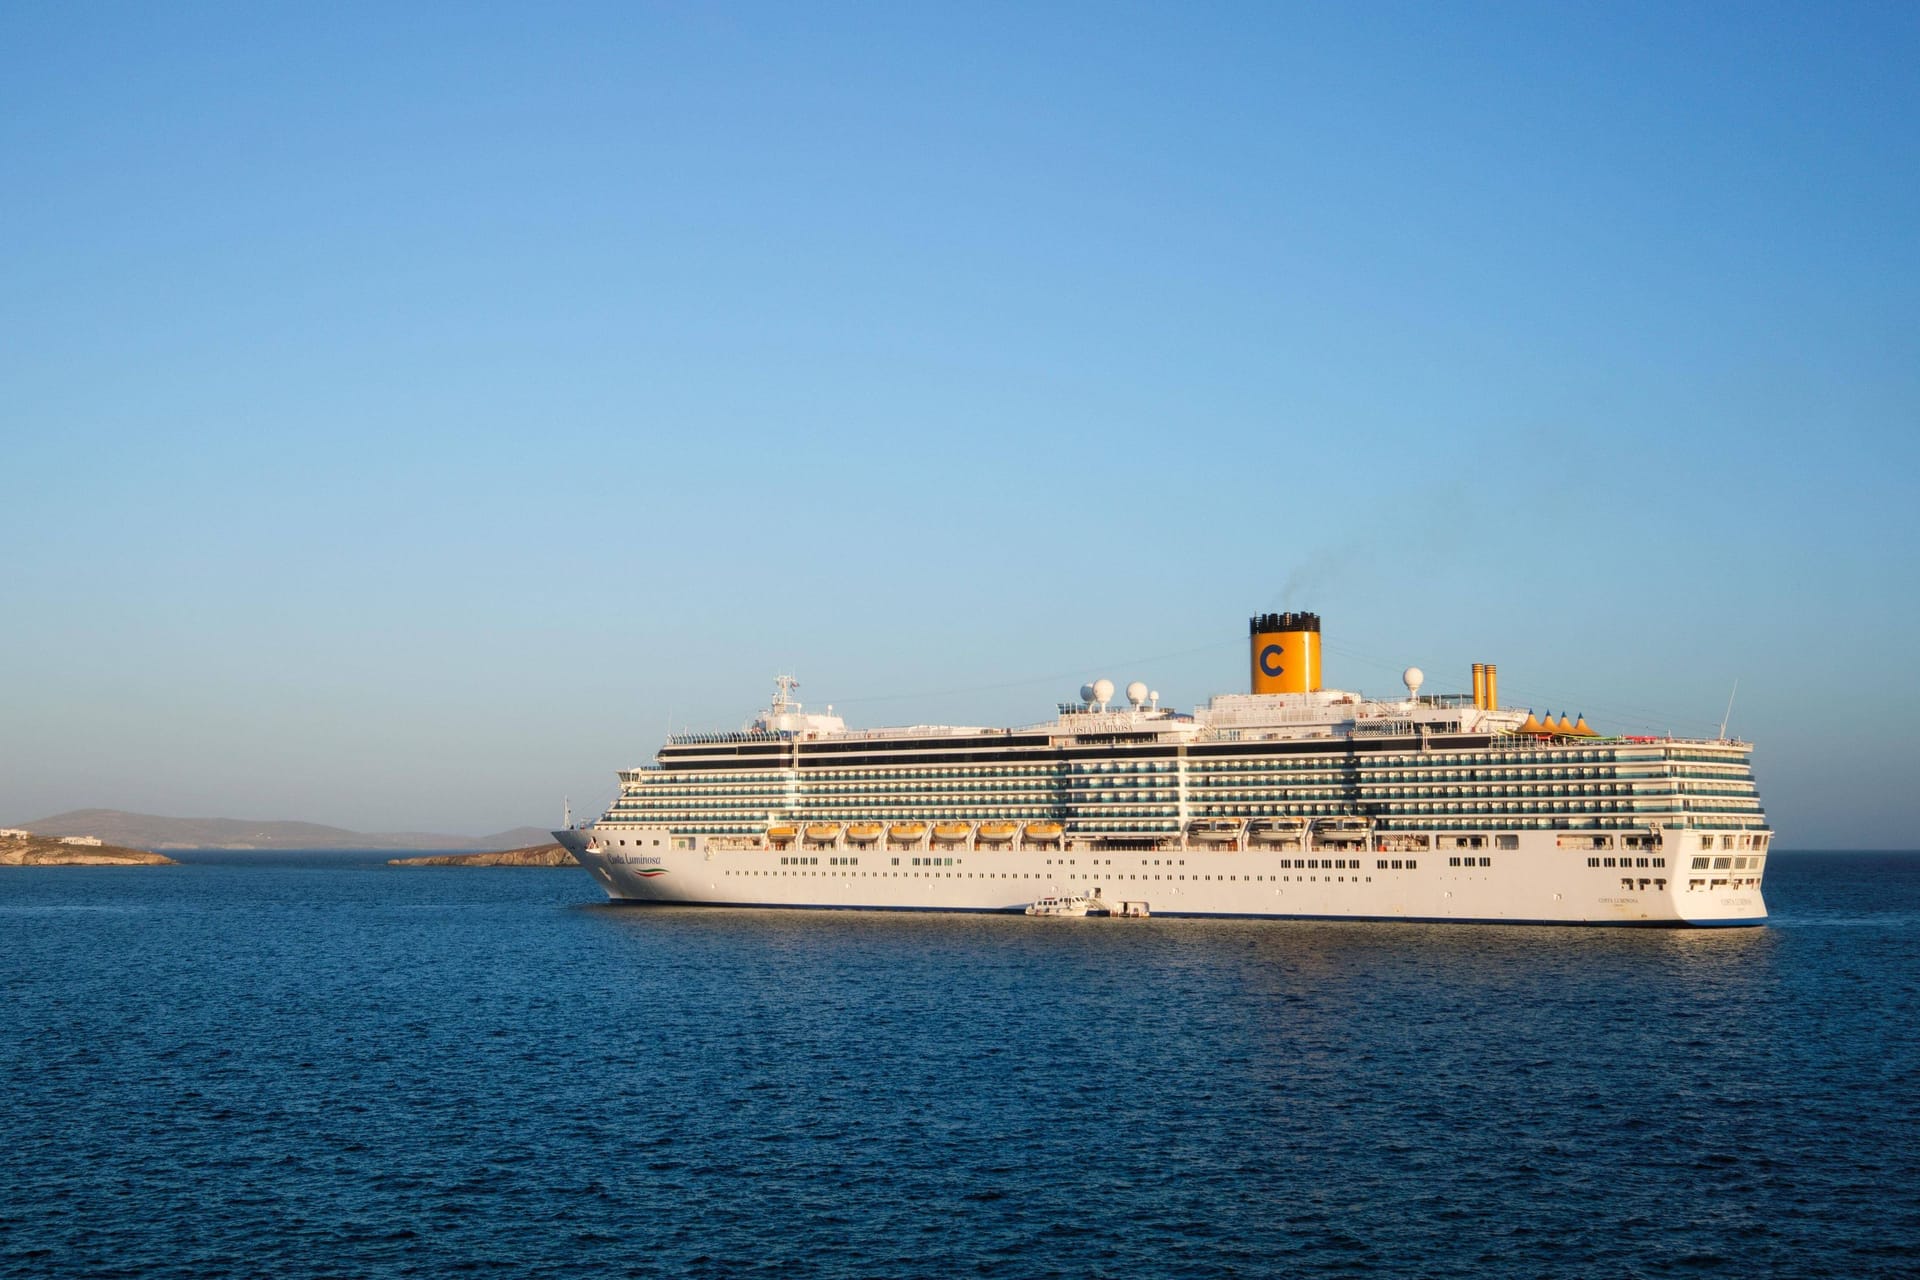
point(1288, 800)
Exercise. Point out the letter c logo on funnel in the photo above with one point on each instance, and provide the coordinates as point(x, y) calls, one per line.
point(1270, 660)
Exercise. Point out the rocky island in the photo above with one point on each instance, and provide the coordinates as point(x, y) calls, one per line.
point(539, 855)
point(25, 849)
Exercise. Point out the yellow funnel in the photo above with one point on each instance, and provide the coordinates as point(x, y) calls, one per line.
point(1285, 652)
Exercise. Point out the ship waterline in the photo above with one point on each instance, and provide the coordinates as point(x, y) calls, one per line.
point(1291, 801)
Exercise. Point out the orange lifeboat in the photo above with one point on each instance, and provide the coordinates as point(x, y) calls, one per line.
point(951, 832)
point(782, 833)
point(864, 832)
point(907, 832)
point(1042, 831)
point(823, 832)
point(999, 832)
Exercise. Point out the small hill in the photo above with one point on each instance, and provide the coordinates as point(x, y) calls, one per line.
point(45, 851)
point(540, 855)
point(152, 831)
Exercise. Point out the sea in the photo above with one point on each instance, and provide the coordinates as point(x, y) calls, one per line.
point(317, 1065)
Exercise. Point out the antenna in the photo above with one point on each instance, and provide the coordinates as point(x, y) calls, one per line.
point(1729, 715)
point(783, 689)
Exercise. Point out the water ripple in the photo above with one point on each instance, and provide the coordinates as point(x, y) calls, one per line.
point(337, 1069)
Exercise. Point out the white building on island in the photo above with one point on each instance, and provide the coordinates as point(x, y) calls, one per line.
point(87, 840)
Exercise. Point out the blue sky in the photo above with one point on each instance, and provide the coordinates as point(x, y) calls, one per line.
point(407, 413)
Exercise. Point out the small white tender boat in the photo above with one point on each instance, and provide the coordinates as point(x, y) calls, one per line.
point(1061, 907)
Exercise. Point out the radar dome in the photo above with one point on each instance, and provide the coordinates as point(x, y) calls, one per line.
point(1137, 692)
point(1086, 693)
point(1102, 691)
point(1414, 677)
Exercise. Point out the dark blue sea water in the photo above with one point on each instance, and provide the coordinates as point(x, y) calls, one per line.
point(321, 1066)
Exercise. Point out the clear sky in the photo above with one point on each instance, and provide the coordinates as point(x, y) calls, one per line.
point(407, 412)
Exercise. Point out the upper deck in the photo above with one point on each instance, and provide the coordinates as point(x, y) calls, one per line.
point(1289, 749)
point(1330, 718)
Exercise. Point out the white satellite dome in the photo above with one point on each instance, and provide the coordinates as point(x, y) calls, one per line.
point(1103, 691)
point(1414, 678)
point(1137, 693)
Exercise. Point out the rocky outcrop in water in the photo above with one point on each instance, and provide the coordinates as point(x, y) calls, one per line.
point(46, 851)
point(539, 855)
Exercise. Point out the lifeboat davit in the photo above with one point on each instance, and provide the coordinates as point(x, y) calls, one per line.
point(864, 832)
point(1341, 831)
point(952, 832)
point(1039, 831)
point(1275, 830)
point(907, 832)
point(823, 832)
point(999, 832)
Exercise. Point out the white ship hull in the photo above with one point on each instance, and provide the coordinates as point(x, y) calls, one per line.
point(1538, 882)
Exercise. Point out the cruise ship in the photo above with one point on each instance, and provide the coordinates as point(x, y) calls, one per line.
point(1290, 800)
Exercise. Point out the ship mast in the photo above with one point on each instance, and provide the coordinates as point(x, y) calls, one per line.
point(783, 687)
